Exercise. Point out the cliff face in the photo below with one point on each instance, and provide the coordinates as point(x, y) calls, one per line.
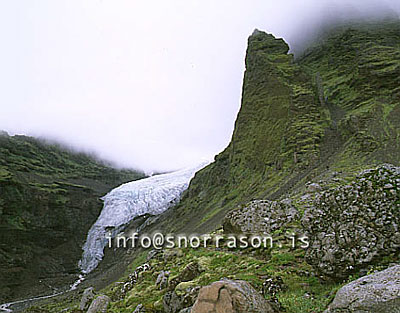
point(336, 107)
point(323, 117)
point(49, 198)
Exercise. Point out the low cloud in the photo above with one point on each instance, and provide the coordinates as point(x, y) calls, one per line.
point(154, 85)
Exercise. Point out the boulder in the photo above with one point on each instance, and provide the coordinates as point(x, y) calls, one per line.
point(376, 293)
point(260, 217)
point(175, 301)
point(99, 305)
point(87, 297)
point(190, 272)
point(313, 188)
point(162, 280)
point(231, 296)
point(352, 226)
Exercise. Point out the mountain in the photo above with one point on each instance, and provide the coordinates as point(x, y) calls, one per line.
point(49, 198)
point(312, 134)
point(334, 108)
point(306, 157)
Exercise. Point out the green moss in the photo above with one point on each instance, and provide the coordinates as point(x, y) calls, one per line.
point(334, 109)
point(5, 175)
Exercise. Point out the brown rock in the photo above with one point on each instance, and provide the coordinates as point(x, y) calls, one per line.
point(224, 304)
point(229, 296)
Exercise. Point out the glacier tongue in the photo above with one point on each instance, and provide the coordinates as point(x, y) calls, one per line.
point(151, 195)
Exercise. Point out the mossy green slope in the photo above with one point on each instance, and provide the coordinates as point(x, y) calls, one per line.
point(335, 107)
point(359, 66)
point(49, 197)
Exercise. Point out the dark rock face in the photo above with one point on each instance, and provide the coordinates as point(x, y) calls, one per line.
point(271, 135)
point(337, 105)
point(49, 198)
point(228, 296)
point(352, 226)
point(260, 216)
point(376, 293)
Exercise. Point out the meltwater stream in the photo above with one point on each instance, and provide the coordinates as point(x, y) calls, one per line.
point(151, 195)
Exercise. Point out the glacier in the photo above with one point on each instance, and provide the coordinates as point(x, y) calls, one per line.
point(151, 195)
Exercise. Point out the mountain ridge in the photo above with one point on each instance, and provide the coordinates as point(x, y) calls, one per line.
point(319, 121)
point(49, 197)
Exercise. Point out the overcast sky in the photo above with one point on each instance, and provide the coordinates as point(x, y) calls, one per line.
point(154, 85)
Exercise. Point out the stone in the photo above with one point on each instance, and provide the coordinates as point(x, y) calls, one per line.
point(162, 280)
point(260, 217)
point(183, 287)
point(375, 293)
point(190, 272)
point(99, 305)
point(273, 285)
point(350, 227)
point(231, 296)
point(314, 187)
point(174, 302)
point(87, 297)
point(140, 309)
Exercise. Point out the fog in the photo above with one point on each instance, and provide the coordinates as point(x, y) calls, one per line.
point(153, 85)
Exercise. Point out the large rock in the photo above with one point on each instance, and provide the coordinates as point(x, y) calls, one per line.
point(190, 272)
point(99, 305)
point(228, 296)
point(175, 301)
point(260, 216)
point(87, 297)
point(352, 226)
point(376, 293)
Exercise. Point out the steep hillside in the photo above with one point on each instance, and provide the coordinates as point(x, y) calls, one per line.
point(308, 147)
point(336, 107)
point(49, 198)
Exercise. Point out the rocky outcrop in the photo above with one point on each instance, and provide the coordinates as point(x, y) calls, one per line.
point(376, 293)
point(354, 225)
point(178, 300)
point(190, 272)
point(228, 296)
point(260, 216)
point(278, 128)
point(99, 305)
point(162, 280)
point(49, 198)
point(87, 297)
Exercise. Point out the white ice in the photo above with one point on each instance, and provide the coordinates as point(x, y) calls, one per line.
point(151, 195)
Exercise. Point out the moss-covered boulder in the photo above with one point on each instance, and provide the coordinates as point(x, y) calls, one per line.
point(354, 225)
point(261, 217)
